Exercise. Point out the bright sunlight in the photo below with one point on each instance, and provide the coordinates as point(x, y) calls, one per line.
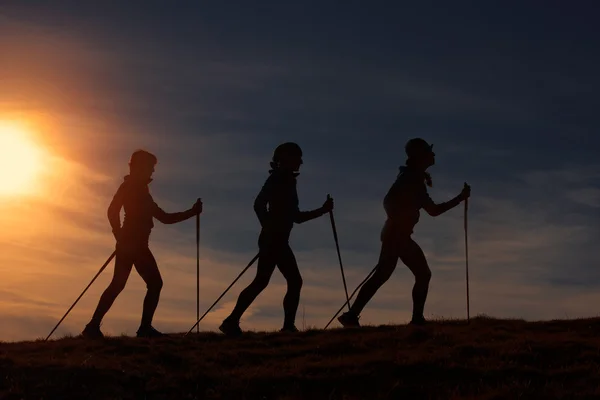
point(20, 160)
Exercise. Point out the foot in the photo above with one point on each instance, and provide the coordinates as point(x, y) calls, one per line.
point(92, 331)
point(149, 332)
point(349, 320)
point(418, 321)
point(289, 329)
point(230, 327)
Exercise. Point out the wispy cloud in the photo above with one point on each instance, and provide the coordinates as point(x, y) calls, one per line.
point(589, 196)
point(214, 111)
point(518, 253)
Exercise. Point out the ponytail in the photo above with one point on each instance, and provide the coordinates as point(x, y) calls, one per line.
point(428, 180)
point(274, 164)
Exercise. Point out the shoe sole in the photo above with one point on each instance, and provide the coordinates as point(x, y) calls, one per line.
point(230, 334)
point(347, 325)
point(151, 336)
point(92, 337)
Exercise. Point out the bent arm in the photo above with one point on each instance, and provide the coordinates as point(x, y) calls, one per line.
point(172, 218)
point(434, 209)
point(303, 216)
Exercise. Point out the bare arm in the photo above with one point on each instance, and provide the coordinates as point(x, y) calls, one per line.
point(437, 209)
point(303, 216)
point(173, 218)
point(434, 209)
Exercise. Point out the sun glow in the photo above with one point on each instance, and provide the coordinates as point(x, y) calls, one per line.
point(20, 160)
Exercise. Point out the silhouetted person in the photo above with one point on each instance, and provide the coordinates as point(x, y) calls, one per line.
point(402, 205)
point(277, 220)
point(132, 242)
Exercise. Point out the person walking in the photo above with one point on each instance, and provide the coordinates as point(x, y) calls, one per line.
point(133, 242)
point(276, 207)
point(402, 204)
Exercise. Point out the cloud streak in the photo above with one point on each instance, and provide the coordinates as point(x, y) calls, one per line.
point(213, 102)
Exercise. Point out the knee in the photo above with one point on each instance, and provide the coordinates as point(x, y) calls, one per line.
point(295, 283)
point(155, 285)
point(382, 278)
point(260, 283)
point(423, 276)
point(383, 274)
point(116, 287)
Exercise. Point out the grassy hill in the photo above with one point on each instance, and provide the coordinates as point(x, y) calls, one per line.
point(488, 359)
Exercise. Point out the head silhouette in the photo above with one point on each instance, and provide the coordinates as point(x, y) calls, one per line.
point(141, 164)
point(420, 154)
point(287, 156)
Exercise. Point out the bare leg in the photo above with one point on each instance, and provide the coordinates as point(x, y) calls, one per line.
point(289, 269)
point(264, 270)
point(412, 255)
point(123, 265)
point(146, 266)
point(388, 259)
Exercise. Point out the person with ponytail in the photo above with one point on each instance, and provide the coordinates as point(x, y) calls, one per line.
point(402, 205)
point(276, 207)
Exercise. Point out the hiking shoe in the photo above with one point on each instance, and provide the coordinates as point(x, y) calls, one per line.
point(289, 329)
point(92, 331)
point(349, 320)
point(230, 327)
point(149, 332)
point(420, 321)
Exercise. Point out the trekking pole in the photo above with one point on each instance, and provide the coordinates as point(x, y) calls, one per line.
point(198, 270)
point(226, 290)
point(81, 295)
point(337, 246)
point(351, 296)
point(467, 255)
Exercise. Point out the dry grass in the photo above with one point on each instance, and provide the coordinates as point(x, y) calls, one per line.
point(488, 359)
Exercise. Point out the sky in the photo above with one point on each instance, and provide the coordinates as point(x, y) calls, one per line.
point(506, 91)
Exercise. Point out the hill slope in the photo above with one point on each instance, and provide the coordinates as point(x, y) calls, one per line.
point(488, 359)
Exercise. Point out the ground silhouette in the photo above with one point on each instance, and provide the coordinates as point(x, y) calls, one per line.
point(488, 359)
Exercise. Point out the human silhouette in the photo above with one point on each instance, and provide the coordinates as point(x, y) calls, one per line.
point(132, 242)
point(402, 205)
point(276, 207)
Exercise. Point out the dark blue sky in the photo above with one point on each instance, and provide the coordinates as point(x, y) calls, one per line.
point(491, 74)
point(507, 91)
